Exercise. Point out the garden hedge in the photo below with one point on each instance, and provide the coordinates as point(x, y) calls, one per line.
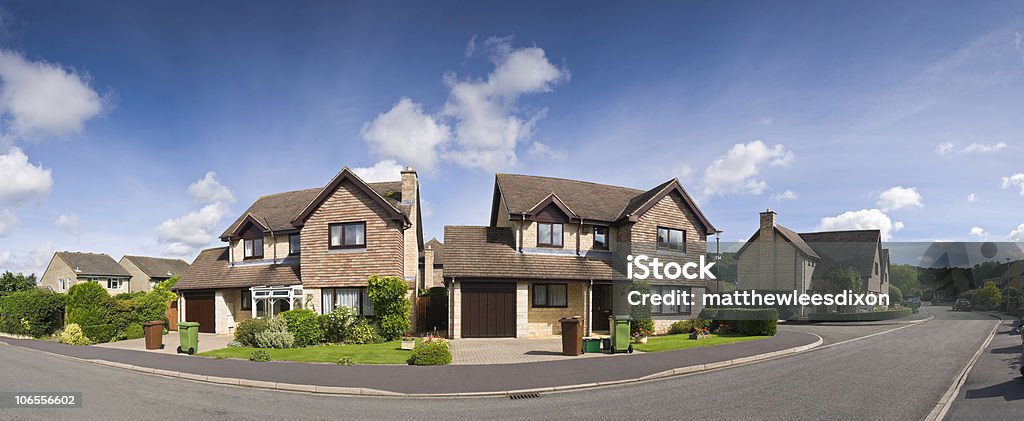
point(100, 333)
point(872, 316)
point(748, 321)
point(89, 305)
point(34, 312)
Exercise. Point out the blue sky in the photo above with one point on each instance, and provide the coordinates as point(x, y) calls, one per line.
point(836, 115)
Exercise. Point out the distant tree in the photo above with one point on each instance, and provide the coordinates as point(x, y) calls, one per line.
point(906, 278)
point(895, 295)
point(14, 282)
point(842, 278)
point(988, 297)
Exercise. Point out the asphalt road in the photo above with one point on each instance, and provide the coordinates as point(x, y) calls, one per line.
point(994, 390)
point(898, 375)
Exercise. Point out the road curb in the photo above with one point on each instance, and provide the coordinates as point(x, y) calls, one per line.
point(947, 399)
point(355, 391)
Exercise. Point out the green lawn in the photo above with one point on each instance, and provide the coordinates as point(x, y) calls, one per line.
point(383, 353)
point(683, 341)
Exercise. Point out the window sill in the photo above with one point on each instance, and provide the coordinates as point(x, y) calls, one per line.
point(346, 250)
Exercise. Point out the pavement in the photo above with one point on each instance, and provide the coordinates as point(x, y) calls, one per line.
point(482, 351)
point(207, 341)
point(994, 389)
point(898, 374)
point(446, 380)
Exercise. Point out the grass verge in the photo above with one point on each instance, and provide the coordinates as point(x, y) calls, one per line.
point(683, 341)
point(382, 353)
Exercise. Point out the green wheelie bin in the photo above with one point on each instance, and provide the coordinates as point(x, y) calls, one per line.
point(620, 334)
point(188, 338)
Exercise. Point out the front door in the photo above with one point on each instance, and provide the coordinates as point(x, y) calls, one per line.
point(602, 307)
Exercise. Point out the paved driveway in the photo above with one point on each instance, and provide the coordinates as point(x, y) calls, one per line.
point(207, 342)
point(510, 351)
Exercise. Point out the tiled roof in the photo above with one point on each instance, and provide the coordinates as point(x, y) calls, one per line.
point(438, 248)
point(281, 208)
point(797, 241)
point(92, 264)
point(155, 267)
point(855, 248)
point(211, 270)
point(489, 252)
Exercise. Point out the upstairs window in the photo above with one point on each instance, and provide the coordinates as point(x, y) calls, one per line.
point(347, 235)
point(294, 245)
point(601, 238)
point(549, 235)
point(671, 239)
point(253, 248)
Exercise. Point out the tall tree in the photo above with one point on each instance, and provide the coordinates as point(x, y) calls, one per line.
point(14, 282)
point(906, 278)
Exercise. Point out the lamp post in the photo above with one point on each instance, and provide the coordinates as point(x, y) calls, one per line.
point(718, 259)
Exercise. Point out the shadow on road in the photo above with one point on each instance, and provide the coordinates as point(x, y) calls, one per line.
point(1010, 391)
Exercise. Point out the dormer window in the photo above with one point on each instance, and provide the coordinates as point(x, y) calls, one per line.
point(253, 248)
point(549, 235)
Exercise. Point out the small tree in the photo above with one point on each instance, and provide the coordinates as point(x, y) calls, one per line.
point(89, 304)
point(14, 282)
point(906, 278)
point(841, 279)
point(641, 313)
point(895, 295)
point(989, 297)
point(391, 305)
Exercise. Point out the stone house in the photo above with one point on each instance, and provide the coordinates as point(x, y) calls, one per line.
point(311, 248)
point(68, 268)
point(557, 248)
point(149, 271)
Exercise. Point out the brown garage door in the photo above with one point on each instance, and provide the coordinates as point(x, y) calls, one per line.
point(488, 310)
point(199, 308)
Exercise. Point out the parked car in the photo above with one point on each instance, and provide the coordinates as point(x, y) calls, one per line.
point(962, 304)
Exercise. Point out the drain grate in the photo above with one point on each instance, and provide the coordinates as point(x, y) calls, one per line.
point(528, 395)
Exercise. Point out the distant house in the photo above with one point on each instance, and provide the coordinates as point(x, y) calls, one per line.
point(557, 248)
point(148, 271)
point(69, 268)
point(433, 264)
point(776, 258)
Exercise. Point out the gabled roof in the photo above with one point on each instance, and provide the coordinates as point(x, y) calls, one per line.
point(99, 264)
point(489, 252)
point(347, 174)
point(279, 210)
point(522, 194)
point(855, 248)
point(212, 270)
point(155, 267)
point(438, 248)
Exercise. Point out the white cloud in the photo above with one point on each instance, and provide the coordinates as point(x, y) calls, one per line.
point(786, 195)
point(736, 171)
point(5, 260)
point(23, 182)
point(767, 121)
point(488, 124)
point(1016, 180)
point(899, 197)
point(985, 148)
point(861, 220)
point(208, 190)
point(407, 134)
point(197, 229)
point(8, 220)
point(387, 170)
point(40, 98)
point(1017, 234)
point(33, 261)
point(69, 224)
point(427, 209)
point(972, 198)
point(944, 149)
point(543, 151)
point(978, 232)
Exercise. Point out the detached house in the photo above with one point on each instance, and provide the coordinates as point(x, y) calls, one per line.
point(776, 258)
point(68, 268)
point(557, 248)
point(311, 248)
point(149, 271)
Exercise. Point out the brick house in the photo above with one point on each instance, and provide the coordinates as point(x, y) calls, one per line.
point(776, 258)
point(311, 248)
point(149, 271)
point(67, 268)
point(557, 248)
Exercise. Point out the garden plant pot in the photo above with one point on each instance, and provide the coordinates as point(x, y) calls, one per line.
point(698, 336)
point(408, 345)
point(641, 340)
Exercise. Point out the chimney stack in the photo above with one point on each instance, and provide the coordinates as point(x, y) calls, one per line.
point(768, 224)
point(410, 186)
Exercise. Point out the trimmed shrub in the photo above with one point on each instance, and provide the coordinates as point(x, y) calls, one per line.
point(362, 332)
point(872, 316)
point(34, 312)
point(89, 305)
point(259, 356)
point(129, 295)
point(391, 305)
point(336, 324)
point(346, 361)
point(708, 314)
point(134, 331)
point(433, 352)
point(100, 333)
point(641, 314)
point(245, 332)
point(276, 335)
point(304, 326)
point(895, 295)
point(748, 321)
point(73, 335)
point(682, 326)
point(235, 344)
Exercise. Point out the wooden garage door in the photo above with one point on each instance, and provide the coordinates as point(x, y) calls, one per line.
point(488, 310)
point(199, 308)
